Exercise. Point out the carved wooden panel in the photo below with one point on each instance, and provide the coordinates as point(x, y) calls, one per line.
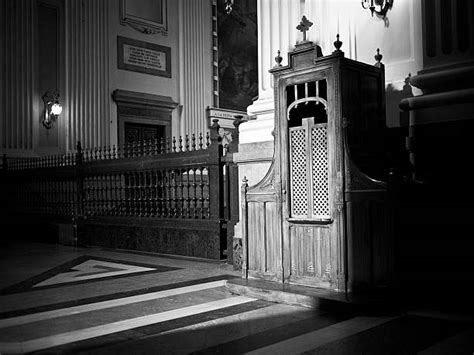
point(257, 237)
point(132, 135)
point(264, 253)
point(151, 133)
point(310, 259)
point(370, 250)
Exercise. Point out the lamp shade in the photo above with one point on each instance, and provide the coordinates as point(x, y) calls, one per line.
point(56, 109)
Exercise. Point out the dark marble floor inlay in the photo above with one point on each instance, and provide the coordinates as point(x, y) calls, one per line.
point(84, 269)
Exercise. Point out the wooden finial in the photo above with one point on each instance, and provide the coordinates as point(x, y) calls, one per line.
point(245, 182)
point(4, 162)
point(79, 153)
point(278, 59)
point(378, 57)
point(407, 79)
point(215, 123)
point(337, 44)
point(215, 136)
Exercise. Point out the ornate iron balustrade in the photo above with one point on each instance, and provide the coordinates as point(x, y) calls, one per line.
point(127, 150)
point(149, 182)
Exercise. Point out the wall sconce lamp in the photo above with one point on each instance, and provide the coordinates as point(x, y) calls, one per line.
point(382, 5)
point(52, 109)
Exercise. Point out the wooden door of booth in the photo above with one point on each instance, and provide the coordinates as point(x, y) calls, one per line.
point(310, 218)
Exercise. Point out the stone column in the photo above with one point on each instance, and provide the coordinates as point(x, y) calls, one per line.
point(277, 21)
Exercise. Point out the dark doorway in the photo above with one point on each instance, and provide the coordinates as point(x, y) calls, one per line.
point(139, 132)
point(141, 138)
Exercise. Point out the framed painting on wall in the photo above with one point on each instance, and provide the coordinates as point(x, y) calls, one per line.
point(146, 16)
point(237, 54)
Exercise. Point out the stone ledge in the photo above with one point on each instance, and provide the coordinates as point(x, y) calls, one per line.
point(444, 79)
point(254, 152)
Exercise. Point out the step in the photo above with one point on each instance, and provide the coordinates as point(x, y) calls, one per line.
point(312, 297)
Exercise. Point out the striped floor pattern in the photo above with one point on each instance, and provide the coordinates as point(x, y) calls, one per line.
point(203, 317)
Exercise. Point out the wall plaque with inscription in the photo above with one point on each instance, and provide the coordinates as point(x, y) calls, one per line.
point(226, 117)
point(143, 57)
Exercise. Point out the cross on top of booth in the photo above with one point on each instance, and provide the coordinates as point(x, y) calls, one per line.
point(304, 26)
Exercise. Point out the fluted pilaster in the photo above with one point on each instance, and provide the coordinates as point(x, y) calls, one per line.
point(17, 83)
point(448, 29)
point(87, 88)
point(195, 64)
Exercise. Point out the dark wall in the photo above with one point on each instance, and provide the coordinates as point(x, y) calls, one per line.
point(435, 239)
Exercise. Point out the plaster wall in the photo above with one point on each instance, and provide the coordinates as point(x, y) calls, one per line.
point(135, 81)
point(87, 72)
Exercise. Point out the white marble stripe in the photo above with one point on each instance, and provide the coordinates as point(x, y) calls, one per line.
point(115, 327)
point(29, 318)
point(83, 272)
point(317, 338)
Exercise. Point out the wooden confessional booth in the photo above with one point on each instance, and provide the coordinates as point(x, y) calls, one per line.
point(317, 218)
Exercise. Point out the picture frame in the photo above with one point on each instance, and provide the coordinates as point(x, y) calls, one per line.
point(145, 16)
point(143, 57)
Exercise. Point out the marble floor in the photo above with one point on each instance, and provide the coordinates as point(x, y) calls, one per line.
point(57, 299)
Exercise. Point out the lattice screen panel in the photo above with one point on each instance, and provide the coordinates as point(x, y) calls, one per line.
point(319, 173)
point(299, 183)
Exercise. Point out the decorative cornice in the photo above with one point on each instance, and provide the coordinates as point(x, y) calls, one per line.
point(145, 29)
point(306, 48)
point(141, 100)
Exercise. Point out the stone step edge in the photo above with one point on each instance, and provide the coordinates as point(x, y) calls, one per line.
point(315, 299)
point(273, 295)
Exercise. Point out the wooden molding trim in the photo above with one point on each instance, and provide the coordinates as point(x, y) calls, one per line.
point(143, 100)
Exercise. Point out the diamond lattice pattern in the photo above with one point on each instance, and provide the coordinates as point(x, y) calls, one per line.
point(320, 179)
point(299, 183)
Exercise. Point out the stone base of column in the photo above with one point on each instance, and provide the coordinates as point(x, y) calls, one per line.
point(261, 128)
